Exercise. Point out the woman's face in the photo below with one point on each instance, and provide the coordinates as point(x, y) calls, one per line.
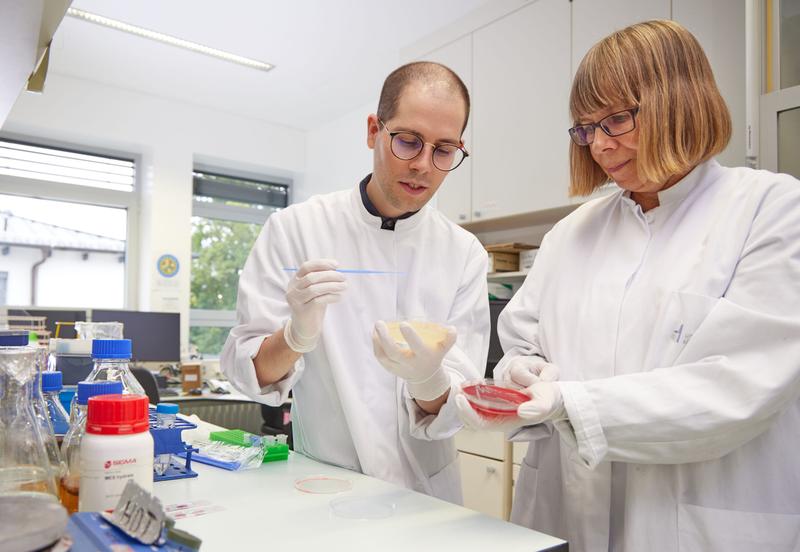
point(616, 155)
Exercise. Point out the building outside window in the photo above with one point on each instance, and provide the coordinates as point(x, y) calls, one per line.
point(227, 216)
point(65, 227)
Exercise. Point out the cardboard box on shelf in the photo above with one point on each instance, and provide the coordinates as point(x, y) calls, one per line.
point(512, 247)
point(190, 377)
point(503, 262)
point(526, 259)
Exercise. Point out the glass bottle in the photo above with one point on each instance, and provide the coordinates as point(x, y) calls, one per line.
point(57, 465)
point(51, 387)
point(69, 488)
point(24, 465)
point(111, 363)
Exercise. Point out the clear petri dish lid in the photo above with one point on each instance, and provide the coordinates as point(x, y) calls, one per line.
point(322, 484)
point(491, 400)
point(362, 507)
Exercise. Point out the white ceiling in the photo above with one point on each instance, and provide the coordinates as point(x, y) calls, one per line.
point(331, 56)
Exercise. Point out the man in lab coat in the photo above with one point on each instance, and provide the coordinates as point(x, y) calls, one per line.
point(324, 275)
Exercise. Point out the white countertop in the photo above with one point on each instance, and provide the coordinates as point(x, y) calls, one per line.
point(262, 508)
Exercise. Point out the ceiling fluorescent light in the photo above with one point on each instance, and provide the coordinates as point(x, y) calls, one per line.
point(167, 39)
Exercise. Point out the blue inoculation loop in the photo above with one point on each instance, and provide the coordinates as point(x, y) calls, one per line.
point(352, 271)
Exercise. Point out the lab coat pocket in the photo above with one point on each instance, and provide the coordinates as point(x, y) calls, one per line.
point(702, 529)
point(446, 483)
point(525, 487)
point(680, 316)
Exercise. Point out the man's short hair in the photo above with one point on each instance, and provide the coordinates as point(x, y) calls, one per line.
point(426, 72)
point(659, 67)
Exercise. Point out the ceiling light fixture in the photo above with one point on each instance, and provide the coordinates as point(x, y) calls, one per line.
point(167, 39)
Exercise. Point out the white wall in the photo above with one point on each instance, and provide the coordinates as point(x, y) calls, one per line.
point(337, 156)
point(167, 137)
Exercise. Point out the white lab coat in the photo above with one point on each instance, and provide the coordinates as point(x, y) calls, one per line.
point(677, 332)
point(347, 409)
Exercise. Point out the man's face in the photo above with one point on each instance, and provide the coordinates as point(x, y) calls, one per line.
point(436, 114)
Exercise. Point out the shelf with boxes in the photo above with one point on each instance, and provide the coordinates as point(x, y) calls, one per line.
point(509, 263)
point(511, 257)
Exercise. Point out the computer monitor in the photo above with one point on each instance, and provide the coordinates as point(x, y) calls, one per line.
point(495, 350)
point(156, 336)
point(54, 315)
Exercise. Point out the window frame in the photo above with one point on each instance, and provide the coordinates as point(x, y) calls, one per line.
point(87, 195)
point(205, 318)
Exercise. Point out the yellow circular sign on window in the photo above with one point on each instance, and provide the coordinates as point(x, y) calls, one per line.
point(168, 265)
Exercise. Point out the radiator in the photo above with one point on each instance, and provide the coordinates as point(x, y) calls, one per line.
point(228, 414)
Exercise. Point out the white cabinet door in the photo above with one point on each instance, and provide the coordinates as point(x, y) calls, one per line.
point(719, 26)
point(593, 20)
point(454, 197)
point(482, 484)
point(521, 79)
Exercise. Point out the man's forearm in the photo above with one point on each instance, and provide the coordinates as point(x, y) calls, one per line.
point(274, 359)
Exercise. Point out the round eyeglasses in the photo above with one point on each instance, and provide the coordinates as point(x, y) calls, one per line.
point(407, 145)
point(616, 124)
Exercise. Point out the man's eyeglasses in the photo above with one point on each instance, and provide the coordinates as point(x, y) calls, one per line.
point(615, 124)
point(407, 145)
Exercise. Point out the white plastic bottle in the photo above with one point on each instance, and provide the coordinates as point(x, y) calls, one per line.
point(117, 447)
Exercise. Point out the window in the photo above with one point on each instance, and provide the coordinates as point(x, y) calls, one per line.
point(68, 167)
point(227, 216)
point(64, 227)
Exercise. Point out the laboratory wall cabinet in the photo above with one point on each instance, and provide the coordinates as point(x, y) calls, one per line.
point(521, 87)
point(455, 196)
point(519, 67)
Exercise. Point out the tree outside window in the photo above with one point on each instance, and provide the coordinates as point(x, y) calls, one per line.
point(229, 213)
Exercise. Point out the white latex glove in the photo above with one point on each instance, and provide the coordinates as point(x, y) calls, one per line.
point(314, 286)
point(473, 420)
point(419, 365)
point(524, 371)
point(546, 404)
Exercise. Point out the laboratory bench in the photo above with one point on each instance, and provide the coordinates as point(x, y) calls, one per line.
point(262, 508)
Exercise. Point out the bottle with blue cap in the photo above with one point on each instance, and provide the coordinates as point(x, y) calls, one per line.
point(51, 443)
point(25, 468)
point(51, 387)
point(112, 363)
point(165, 418)
point(69, 488)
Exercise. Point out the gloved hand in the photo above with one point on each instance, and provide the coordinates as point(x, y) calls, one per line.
point(531, 374)
point(546, 404)
point(314, 286)
point(473, 420)
point(419, 365)
point(524, 371)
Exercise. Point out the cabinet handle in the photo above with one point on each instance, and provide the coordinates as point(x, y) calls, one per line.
point(491, 469)
point(462, 216)
point(477, 213)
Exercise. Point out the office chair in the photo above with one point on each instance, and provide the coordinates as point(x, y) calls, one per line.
point(148, 382)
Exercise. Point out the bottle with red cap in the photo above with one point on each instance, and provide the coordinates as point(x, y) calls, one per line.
point(69, 487)
point(116, 448)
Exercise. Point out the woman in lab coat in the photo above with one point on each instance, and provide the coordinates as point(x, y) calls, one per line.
point(669, 313)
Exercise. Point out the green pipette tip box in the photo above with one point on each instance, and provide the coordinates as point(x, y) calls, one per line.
point(242, 438)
